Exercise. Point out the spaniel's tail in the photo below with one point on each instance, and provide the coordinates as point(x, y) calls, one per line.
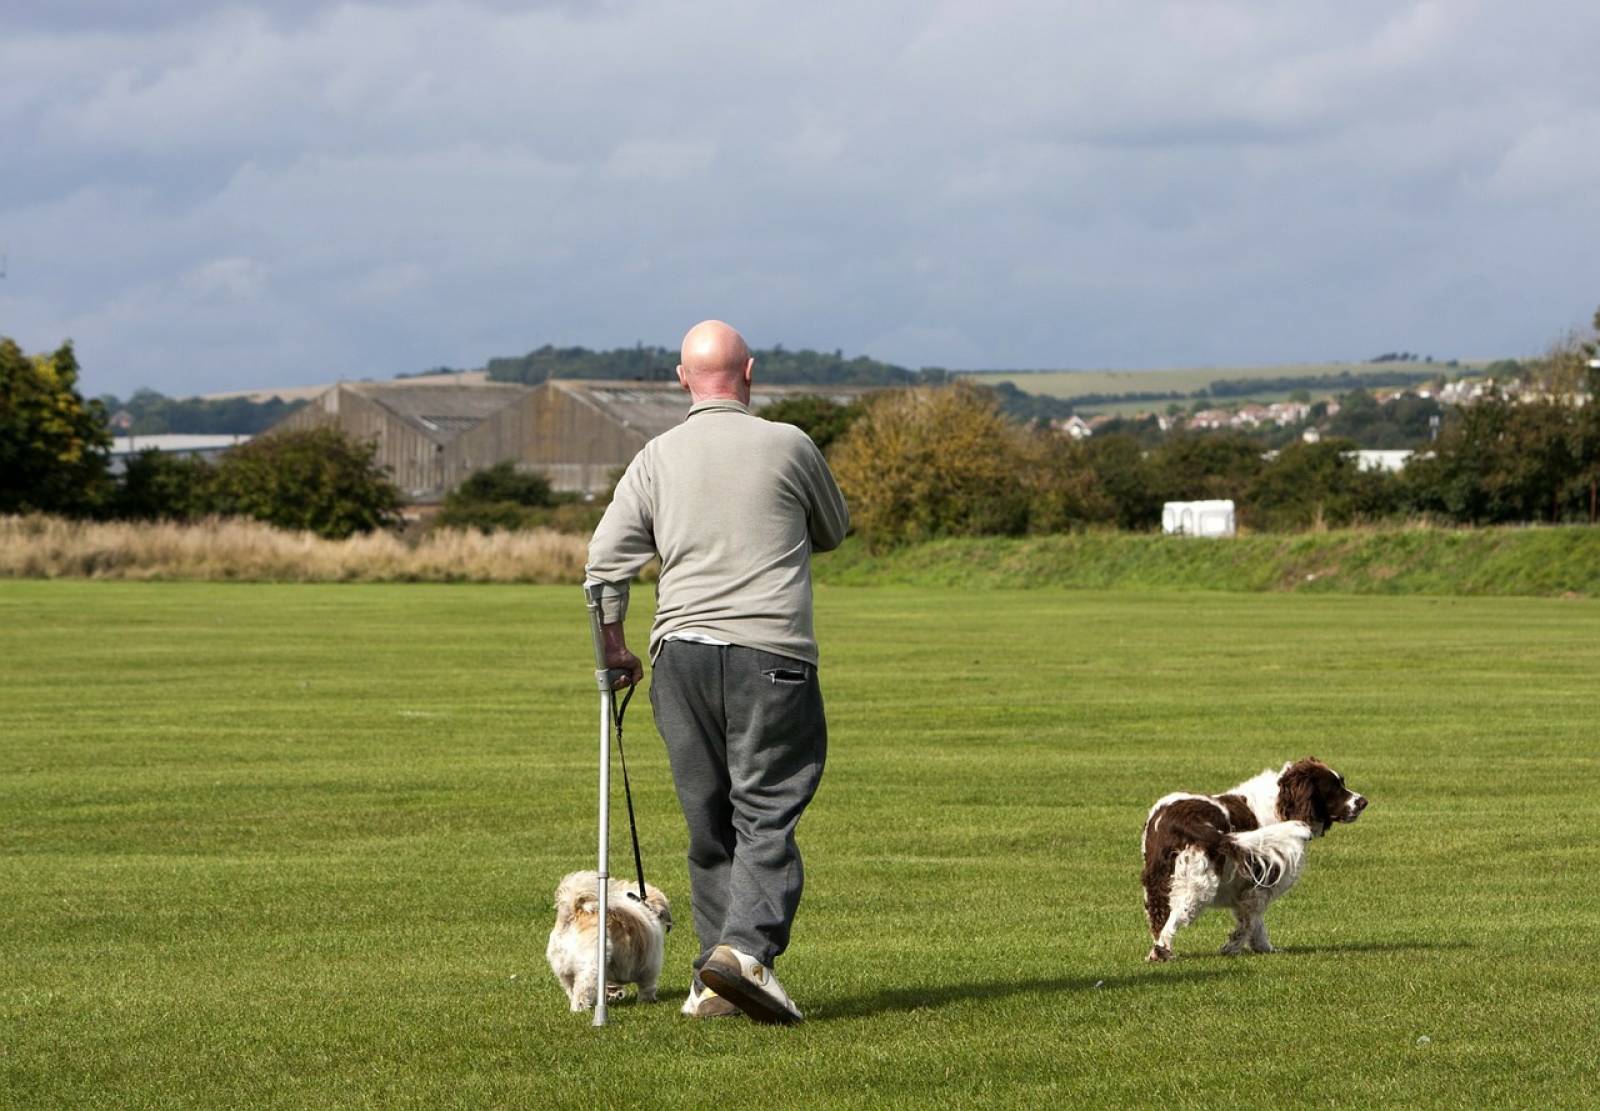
point(1271, 856)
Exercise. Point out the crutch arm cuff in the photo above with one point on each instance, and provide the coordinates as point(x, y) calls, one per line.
point(610, 598)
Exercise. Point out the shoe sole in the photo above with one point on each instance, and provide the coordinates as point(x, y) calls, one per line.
point(755, 1003)
point(727, 1010)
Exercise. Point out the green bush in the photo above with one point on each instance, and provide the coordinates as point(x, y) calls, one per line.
point(1127, 478)
point(502, 498)
point(503, 483)
point(161, 487)
point(821, 418)
point(1320, 483)
point(1196, 466)
point(315, 479)
point(485, 516)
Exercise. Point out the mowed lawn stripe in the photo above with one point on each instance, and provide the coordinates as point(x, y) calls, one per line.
point(291, 845)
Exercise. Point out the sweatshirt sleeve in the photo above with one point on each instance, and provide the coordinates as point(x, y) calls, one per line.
point(827, 516)
point(624, 541)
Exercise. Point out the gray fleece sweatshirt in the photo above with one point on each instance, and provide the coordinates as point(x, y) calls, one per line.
point(734, 505)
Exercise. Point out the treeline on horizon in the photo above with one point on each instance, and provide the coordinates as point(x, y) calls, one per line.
point(150, 413)
point(777, 365)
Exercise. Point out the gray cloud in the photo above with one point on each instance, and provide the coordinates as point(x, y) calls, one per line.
point(207, 197)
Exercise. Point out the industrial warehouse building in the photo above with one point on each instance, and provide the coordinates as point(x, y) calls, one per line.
point(578, 432)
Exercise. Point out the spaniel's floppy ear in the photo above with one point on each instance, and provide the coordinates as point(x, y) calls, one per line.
point(1297, 795)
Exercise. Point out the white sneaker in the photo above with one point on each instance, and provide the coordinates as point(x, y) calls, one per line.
point(749, 985)
point(705, 1003)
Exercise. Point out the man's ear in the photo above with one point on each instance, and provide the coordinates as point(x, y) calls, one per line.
point(749, 366)
point(683, 379)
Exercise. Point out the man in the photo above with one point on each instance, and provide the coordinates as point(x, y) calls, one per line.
point(734, 505)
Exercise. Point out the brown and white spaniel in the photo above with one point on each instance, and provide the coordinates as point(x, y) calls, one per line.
point(1240, 850)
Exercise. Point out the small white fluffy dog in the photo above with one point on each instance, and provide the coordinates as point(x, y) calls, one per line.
point(636, 932)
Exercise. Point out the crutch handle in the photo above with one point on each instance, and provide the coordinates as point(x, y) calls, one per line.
point(606, 677)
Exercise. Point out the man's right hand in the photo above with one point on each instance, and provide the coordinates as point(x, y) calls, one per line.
point(618, 658)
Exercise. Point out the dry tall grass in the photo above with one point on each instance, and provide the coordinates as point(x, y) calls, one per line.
point(38, 547)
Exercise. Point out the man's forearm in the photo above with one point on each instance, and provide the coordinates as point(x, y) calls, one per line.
point(613, 639)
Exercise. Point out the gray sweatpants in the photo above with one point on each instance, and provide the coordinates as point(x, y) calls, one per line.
point(747, 739)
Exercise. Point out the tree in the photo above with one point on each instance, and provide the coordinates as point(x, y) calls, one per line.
point(1127, 479)
point(930, 462)
point(1499, 462)
point(1061, 484)
point(314, 479)
point(946, 461)
point(1200, 466)
point(1568, 375)
point(54, 445)
point(821, 418)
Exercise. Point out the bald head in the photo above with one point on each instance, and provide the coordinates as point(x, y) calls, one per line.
point(716, 363)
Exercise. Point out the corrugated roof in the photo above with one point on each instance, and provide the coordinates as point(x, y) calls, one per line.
point(442, 411)
point(306, 393)
point(654, 407)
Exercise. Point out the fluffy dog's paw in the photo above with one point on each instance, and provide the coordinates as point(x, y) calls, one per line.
point(1158, 954)
point(1231, 948)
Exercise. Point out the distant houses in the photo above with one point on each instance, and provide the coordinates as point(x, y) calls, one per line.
point(1247, 416)
point(1074, 427)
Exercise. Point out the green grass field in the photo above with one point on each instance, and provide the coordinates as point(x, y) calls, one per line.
point(295, 845)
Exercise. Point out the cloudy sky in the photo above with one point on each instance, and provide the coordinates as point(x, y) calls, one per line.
point(210, 196)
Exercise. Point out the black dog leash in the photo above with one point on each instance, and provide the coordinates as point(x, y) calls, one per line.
point(617, 710)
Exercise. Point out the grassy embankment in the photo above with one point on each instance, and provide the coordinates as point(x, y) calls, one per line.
point(294, 846)
point(1543, 561)
point(1499, 561)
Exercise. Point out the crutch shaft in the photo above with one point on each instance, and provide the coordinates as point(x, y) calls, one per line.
point(603, 883)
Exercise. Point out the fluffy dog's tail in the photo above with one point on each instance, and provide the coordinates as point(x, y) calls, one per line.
point(576, 897)
point(1271, 856)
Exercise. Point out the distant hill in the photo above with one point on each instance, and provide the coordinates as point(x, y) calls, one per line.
point(775, 365)
point(1124, 390)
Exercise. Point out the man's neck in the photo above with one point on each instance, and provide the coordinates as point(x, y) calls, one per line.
point(701, 398)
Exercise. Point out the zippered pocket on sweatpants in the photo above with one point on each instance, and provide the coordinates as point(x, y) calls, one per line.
point(776, 675)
